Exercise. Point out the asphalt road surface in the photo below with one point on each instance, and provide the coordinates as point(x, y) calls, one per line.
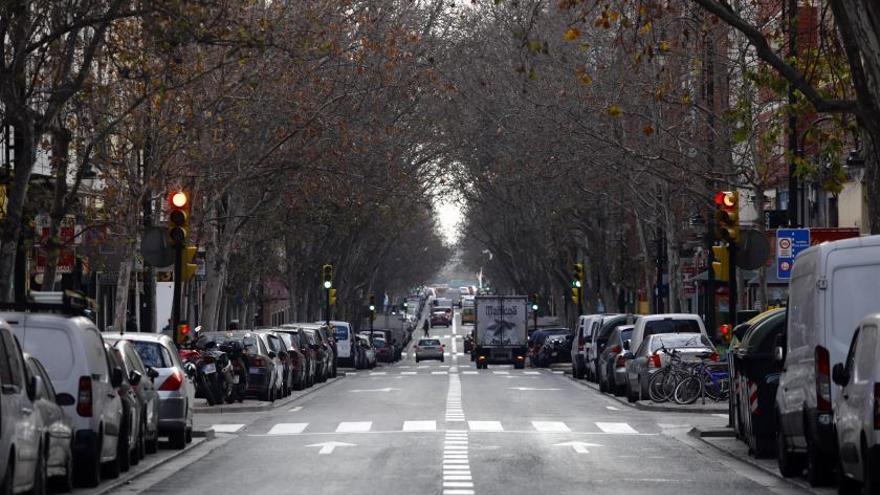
point(446, 428)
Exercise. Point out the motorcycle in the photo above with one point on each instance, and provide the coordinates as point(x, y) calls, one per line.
point(238, 369)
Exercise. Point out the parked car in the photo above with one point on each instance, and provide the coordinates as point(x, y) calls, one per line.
point(468, 316)
point(20, 431)
point(141, 378)
point(297, 359)
point(72, 351)
point(369, 351)
point(834, 285)
point(554, 350)
point(756, 379)
point(128, 449)
point(536, 340)
point(329, 340)
point(440, 317)
point(323, 354)
point(282, 359)
point(264, 370)
point(53, 426)
point(612, 361)
point(346, 348)
point(664, 323)
point(176, 389)
point(600, 338)
point(310, 355)
point(429, 349)
point(384, 350)
point(857, 410)
point(647, 359)
point(586, 325)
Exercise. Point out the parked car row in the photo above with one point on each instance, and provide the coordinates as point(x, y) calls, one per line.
point(79, 405)
point(807, 378)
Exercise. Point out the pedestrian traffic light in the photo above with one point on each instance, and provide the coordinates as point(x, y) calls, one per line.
point(721, 265)
point(332, 295)
point(372, 307)
point(328, 276)
point(727, 215)
point(178, 217)
point(726, 333)
point(182, 333)
point(578, 275)
point(189, 268)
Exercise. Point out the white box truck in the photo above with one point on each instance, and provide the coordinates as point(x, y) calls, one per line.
point(500, 335)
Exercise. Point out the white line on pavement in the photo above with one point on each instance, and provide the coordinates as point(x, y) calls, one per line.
point(288, 428)
point(419, 426)
point(227, 428)
point(619, 428)
point(485, 425)
point(354, 426)
point(551, 426)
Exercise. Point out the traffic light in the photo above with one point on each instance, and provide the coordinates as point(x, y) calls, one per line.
point(328, 276)
point(372, 307)
point(178, 217)
point(182, 333)
point(189, 268)
point(726, 333)
point(332, 295)
point(721, 265)
point(578, 276)
point(727, 215)
point(575, 295)
point(535, 302)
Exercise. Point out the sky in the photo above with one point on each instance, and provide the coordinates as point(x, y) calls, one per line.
point(449, 215)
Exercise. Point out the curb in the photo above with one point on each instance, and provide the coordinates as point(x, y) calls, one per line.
point(267, 406)
point(125, 480)
point(701, 435)
point(646, 407)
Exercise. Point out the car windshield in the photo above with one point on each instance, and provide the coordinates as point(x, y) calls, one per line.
point(153, 354)
point(540, 336)
point(429, 342)
point(670, 325)
point(378, 343)
point(248, 341)
point(679, 341)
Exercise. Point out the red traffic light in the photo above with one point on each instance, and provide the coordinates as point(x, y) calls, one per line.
point(183, 328)
point(179, 199)
point(726, 199)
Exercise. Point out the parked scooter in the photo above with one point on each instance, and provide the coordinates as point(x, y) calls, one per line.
point(238, 370)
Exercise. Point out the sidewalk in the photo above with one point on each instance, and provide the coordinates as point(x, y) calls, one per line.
point(250, 405)
point(710, 407)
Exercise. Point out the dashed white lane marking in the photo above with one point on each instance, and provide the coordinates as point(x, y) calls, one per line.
point(558, 372)
point(354, 426)
point(725, 416)
point(419, 426)
point(296, 409)
point(409, 373)
point(378, 373)
point(439, 372)
point(471, 372)
point(621, 428)
point(227, 428)
point(288, 428)
point(612, 408)
point(500, 372)
point(531, 372)
point(551, 426)
point(485, 425)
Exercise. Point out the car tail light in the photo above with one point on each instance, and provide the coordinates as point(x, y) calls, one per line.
point(823, 379)
point(654, 362)
point(714, 357)
point(616, 349)
point(520, 358)
point(442, 348)
point(580, 343)
point(258, 362)
point(84, 397)
point(877, 406)
point(173, 382)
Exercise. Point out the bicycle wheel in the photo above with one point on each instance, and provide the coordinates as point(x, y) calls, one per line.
point(656, 387)
point(716, 388)
point(687, 390)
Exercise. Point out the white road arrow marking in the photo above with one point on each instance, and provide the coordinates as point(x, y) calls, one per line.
point(578, 447)
point(386, 389)
point(530, 389)
point(329, 447)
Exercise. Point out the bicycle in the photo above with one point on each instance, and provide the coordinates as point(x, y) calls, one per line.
point(704, 382)
point(663, 382)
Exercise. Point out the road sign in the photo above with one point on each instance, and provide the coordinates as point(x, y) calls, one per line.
point(789, 242)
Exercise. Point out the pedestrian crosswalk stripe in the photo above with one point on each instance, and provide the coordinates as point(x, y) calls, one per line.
point(227, 428)
point(616, 428)
point(458, 484)
point(409, 373)
point(455, 461)
point(453, 477)
point(354, 426)
point(459, 468)
point(500, 372)
point(458, 492)
point(288, 428)
point(551, 426)
point(439, 372)
point(531, 372)
point(376, 373)
point(471, 372)
point(485, 425)
point(419, 426)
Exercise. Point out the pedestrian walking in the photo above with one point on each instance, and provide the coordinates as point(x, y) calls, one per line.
point(426, 326)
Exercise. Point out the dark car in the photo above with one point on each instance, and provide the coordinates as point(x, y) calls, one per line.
point(277, 345)
point(141, 377)
point(757, 378)
point(323, 354)
point(536, 340)
point(384, 351)
point(554, 350)
point(310, 355)
point(297, 359)
point(262, 375)
point(441, 317)
point(328, 338)
point(612, 363)
point(130, 435)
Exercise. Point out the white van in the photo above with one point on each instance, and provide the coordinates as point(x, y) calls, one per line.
point(583, 338)
point(833, 286)
point(857, 409)
point(647, 325)
point(72, 351)
point(345, 351)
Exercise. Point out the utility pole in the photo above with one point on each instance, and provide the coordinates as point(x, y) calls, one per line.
point(793, 193)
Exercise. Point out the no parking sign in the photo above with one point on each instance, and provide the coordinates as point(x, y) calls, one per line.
point(789, 242)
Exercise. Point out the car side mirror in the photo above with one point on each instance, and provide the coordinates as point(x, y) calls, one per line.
point(628, 355)
point(116, 377)
point(64, 399)
point(189, 369)
point(626, 344)
point(135, 377)
point(272, 354)
point(840, 375)
point(152, 373)
point(33, 385)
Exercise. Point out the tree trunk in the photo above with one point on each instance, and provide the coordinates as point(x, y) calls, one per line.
point(123, 282)
point(53, 245)
point(25, 156)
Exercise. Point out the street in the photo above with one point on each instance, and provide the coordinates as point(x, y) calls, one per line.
point(448, 428)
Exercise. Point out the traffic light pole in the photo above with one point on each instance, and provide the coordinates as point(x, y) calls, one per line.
point(732, 299)
point(178, 289)
point(327, 307)
point(710, 275)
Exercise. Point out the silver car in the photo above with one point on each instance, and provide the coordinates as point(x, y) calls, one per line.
point(429, 349)
point(53, 425)
point(176, 390)
point(647, 359)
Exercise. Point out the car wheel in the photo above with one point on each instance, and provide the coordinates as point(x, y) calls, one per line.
point(789, 463)
point(8, 478)
point(819, 471)
point(88, 469)
point(178, 439)
point(152, 445)
point(41, 475)
point(123, 450)
point(111, 469)
point(189, 435)
point(630, 396)
point(578, 369)
point(870, 477)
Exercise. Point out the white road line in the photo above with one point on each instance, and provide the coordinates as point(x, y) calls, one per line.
point(408, 373)
point(419, 426)
point(500, 372)
point(453, 477)
point(288, 428)
point(531, 372)
point(558, 372)
point(457, 484)
point(378, 373)
point(456, 468)
point(612, 408)
point(458, 492)
point(439, 372)
point(471, 372)
point(454, 461)
point(551, 426)
point(621, 428)
point(448, 443)
point(296, 409)
point(227, 428)
point(725, 416)
point(354, 426)
point(485, 426)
